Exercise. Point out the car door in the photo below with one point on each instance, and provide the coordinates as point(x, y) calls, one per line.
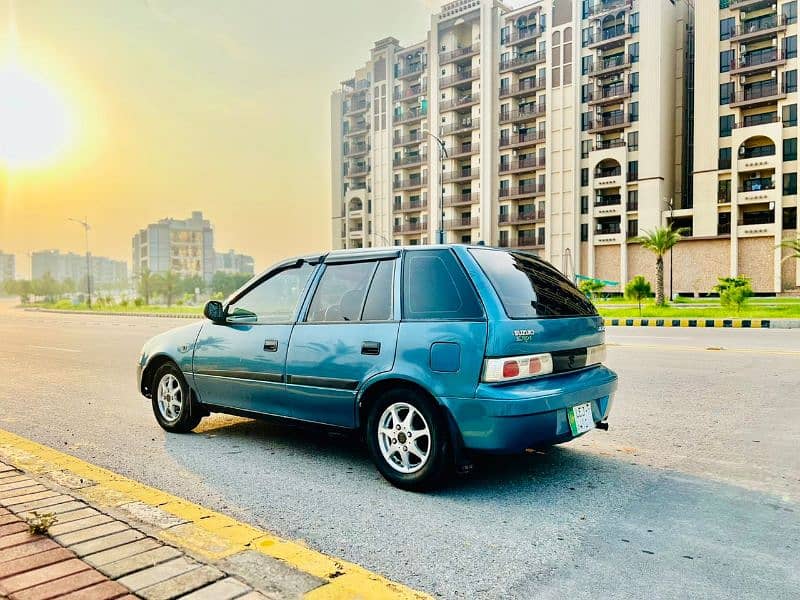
point(348, 334)
point(240, 363)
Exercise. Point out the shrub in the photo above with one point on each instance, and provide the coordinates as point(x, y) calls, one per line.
point(591, 287)
point(638, 289)
point(733, 291)
point(138, 301)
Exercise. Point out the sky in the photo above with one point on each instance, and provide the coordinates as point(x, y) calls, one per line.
point(170, 106)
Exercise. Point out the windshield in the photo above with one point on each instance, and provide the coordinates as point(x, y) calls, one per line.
point(530, 287)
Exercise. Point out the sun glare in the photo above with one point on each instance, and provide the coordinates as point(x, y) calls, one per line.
point(34, 121)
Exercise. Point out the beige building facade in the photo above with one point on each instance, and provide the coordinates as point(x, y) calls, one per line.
point(568, 128)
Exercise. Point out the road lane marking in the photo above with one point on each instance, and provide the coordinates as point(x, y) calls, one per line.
point(677, 348)
point(53, 348)
point(207, 532)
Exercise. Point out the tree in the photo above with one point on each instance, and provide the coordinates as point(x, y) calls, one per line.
point(638, 289)
point(794, 246)
point(227, 283)
point(733, 291)
point(659, 241)
point(591, 287)
point(145, 284)
point(46, 286)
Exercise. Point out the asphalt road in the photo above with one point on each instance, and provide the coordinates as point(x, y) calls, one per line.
point(694, 491)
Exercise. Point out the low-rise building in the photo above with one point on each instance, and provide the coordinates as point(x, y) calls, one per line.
point(70, 266)
point(7, 266)
point(232, 262)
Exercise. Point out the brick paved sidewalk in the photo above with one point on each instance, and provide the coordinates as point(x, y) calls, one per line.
point(90, 555)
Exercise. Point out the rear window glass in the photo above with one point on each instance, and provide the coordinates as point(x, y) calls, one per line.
point(529, 287)
point(435, 287)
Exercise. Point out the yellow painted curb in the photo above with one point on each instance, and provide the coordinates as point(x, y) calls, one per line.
point(206, 533)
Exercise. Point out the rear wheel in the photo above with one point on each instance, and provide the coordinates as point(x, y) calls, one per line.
point(173, 405)
point(408, 440)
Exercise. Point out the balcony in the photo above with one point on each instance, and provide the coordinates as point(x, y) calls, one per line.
point(522, 62)
point(462, 223)
point(520, 140)
point(522, 165)
point(756, 120)
point(608, 144)
point(461, 101)
point(461, 126)
point(757, 184)
point(600, 9)
point(522, 36)
point(358, 171)
point(611, 36)
point(761, 27)
point(607, 178)
point(609, 123)
point(411, 70)
point(405, 140)
point(522, 191)
point(515, 116)
point(355, 107)
point(459, 53)
point(462, 199)
point(356, 186)
point(410, 116)
point(759, 60)
point(602, 238)
point(461, 150)
point(527, 242)
point(464, 174)
point(411, 93)
point(743, 4)
point(521, 217)
point(411, 205)
point(409, 183)
point(410, 227)
point(608, 94)
point(526, 86)
point(410, 160)
point(357, 129)
point(357, 149)
point(758, 93)
point(608, 205)
point(609, 65)
point(460, 77)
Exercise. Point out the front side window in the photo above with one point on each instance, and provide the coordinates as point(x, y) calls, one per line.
point(435, 287)
point(274, 300)
point(531, 288)
point(345, 290)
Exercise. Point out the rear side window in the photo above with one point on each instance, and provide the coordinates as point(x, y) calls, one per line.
point(435, 287)
point(378, 306)
point(341, 292)
point(529, 287)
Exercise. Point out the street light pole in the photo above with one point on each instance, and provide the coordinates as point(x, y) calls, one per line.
point(671, 204)
point(442, 158)
point(85, 225)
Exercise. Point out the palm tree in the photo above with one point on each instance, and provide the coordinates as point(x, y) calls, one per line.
point(659, 241)
point(794, 246)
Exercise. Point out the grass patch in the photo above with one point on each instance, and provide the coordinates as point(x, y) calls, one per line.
point(116, 308)
point(754, 310)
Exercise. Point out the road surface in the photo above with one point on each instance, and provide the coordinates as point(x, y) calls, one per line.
point(694, 490)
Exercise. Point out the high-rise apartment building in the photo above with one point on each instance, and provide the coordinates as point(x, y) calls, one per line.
point(70, 266)
point(568, 128)
point(745, 140)
point(183, 246)
point(7, 267)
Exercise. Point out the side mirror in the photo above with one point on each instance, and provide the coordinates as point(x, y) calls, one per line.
point(214, 311)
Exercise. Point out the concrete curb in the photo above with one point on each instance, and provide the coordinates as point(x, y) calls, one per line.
point(211, 545)
point(114, 314)
point(723, 323)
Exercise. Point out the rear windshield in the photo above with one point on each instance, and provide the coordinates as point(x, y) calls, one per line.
point(529, 287)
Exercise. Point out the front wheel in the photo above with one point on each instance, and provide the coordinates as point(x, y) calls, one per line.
point(173, 405)
point(408, 440)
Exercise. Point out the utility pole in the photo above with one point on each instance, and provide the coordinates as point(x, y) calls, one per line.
point(85, 225)
point(442, 157)
point(671, 205)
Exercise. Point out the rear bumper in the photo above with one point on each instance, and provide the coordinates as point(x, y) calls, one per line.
point(511, 418)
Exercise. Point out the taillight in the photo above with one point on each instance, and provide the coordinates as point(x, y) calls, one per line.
point(516, 367)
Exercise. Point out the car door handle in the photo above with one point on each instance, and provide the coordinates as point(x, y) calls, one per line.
point(270, 345)
point(371, 348)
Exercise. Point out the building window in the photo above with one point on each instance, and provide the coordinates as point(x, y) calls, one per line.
point(586, 147)
point(790, 44)
point(584, 176)
point(586, 64)
point(633, 52)
point(634, 22)
point(726, 28)
point(724, 158)
point(633, 111)
point(724, 191)
point(586, 36)
point(790, 217)
point(790, 149)
point(790, 115)
point(635, 82)
point(725, 93)
point(790, 184)
point(633, 170)
point(633, 141)
point(505, 34)
point(584, 232)
point(633, 228)
point(789, 11)
point(586, 90)
point(633, 200)
point(584, 205)
point(556, 77)
point(726, 60)
point(586, 121)
point(790, 81)
point(726, 125)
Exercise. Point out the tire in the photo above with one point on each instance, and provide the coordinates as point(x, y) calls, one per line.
point(173, 405)
point(419, 456)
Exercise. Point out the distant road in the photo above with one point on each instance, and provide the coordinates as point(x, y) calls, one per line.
point(694, 491)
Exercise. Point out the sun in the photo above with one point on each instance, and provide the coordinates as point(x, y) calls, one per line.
point(34, 120)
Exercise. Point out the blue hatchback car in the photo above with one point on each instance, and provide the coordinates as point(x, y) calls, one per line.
point(432, 352)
